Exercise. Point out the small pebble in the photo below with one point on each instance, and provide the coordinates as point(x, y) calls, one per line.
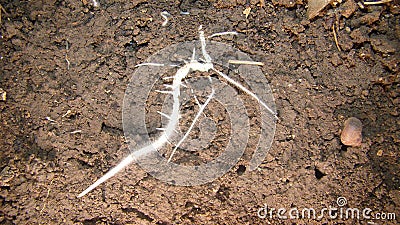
point(351, 134)
point(3, 95)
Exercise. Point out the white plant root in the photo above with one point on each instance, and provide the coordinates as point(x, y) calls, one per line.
point(173, 118)
point(165, 15)
point(96, 3)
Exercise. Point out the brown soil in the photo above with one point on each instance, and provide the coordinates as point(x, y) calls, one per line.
point(316, 88)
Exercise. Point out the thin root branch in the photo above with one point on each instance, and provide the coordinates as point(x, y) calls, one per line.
point(76, 132)
point(223, 33)
point(165, 115)
point(241, 87)
point(233, 61)
point(68, 63)
point(50, 119)
point(167, 78)
point(66, 54)
point(128, 160)
point(192, 125)
point(149, 64)
point(165, 15)
point(164, 92)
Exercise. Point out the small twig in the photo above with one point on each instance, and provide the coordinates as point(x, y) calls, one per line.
point(335, 37)
point(2, 10)
point(377, 2)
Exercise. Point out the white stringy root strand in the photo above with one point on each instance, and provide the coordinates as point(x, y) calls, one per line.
point(165, 15)
point(202, 107)
point(241, 87)
point(149, 64)
point(242, 62)
point(223, 33)
point(127, 161)
point(124, 163)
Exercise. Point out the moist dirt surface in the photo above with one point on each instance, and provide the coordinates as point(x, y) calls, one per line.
point(65, 66)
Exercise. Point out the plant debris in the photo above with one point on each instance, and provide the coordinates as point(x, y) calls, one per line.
point(246, 12)
point(3, 95)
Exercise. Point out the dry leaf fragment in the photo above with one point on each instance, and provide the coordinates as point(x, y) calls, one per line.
point(247, 11)
point(315, 6)
point(3, 95)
